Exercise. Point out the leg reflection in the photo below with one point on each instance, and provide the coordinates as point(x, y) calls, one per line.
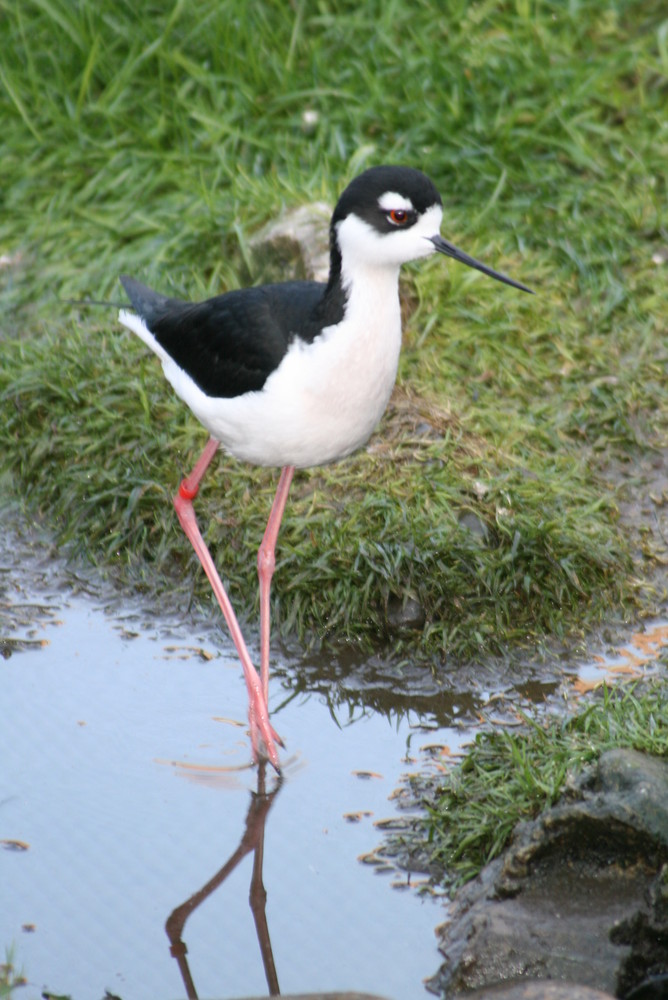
point(252, 840)
point(257, 897)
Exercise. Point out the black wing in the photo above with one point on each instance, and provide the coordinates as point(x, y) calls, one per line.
point(232, 343)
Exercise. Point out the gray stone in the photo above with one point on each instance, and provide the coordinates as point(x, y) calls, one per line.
point(404, 614)
point(296, 245)
point(328, 996)
point(532, 989)
point(579, 895)
point(474, 524)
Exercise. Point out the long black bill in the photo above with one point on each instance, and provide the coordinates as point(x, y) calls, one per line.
point(450, 250)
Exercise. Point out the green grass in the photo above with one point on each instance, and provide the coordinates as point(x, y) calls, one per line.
point(10, 978)
point(513, 775)
point(156, 141)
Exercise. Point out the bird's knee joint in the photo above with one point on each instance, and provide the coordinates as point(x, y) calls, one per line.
point(186, 492)
point(266, 561)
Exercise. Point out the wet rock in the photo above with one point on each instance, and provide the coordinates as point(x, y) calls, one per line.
point(477, 527)
point(404, 614)
point(653, 988)
point(579, 896)
point(539, 990)
point(329, 996)
point(644, 975)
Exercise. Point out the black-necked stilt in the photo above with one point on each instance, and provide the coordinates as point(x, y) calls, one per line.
point(299, 373)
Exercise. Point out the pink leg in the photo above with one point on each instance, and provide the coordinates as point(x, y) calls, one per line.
point(266, 563)
point(258, 714)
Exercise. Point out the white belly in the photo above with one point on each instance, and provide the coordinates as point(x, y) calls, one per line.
point(322, 402)
point(324, 399)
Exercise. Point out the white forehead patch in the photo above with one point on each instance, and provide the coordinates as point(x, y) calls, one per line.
point(391, 200)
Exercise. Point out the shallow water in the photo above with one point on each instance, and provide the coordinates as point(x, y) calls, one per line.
point(126, 789)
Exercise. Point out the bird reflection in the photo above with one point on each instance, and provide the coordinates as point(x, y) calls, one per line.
point(252, 840)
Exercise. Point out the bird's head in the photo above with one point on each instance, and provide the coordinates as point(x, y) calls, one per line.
point(389, 215)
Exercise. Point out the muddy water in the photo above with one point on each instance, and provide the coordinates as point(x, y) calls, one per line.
point(127, 804)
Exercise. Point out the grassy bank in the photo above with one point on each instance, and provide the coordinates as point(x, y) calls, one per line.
point(157, 142)
point(513, 775)
point(508, 775)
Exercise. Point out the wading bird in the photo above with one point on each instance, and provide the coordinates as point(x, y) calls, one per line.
point(296, 374)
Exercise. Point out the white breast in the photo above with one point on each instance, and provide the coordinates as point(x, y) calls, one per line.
point(325, 398)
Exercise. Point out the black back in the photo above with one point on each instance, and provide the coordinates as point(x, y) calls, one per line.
point(232, 343)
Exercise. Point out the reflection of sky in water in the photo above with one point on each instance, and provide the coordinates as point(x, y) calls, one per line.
point(114, 743)
point(119, 836)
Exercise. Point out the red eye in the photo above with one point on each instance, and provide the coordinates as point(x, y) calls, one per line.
point(399, 216)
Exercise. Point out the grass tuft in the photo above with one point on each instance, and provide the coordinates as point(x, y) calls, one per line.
point(513, 775)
